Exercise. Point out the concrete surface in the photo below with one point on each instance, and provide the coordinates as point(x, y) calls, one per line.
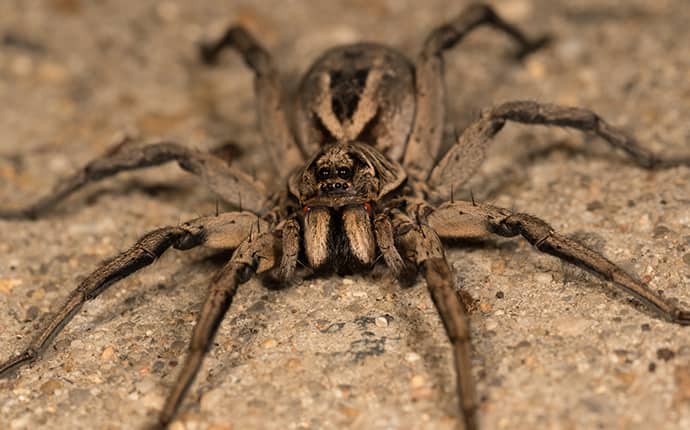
point(552, 348)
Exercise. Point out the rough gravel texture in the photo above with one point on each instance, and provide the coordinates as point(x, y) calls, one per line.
point(553, 348)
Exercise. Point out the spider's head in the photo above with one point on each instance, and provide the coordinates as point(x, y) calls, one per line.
point(345, 174)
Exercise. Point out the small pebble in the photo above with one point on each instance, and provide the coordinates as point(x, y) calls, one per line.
point(665, 354)
point(381, 322)
point(38, 294)
point(418, 381)
point(50, 386)
point(412, 357)
point(269, 343)
point(293, 364)
point(108, 354)
point(485, 307)
point(349, 411)
point(6, 285)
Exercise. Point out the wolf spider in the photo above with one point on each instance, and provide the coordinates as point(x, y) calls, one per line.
point(364, 182)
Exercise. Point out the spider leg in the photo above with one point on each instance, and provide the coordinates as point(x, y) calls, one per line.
point(423, 246)
point(255, 255)
point(227, 230)
point(461, 220)
point(385, 239)
point(465, 157)
point(233, 185)
point(427, 133)
point(290, 246)
point(284, 152)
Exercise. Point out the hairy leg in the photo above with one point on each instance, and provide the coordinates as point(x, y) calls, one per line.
point(284, 152)
point(461, 220)
point(233, 185)
point(385, 239)
point(224, 231)
point(464, 158)
point(422, 245)
point(290, 250)
point(255, 255)
point(425, 141)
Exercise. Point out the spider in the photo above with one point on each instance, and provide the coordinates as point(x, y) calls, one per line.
point(365, 180)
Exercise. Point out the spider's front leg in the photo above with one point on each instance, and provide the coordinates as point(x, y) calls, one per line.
point(254, 255)
point(464, 220)
point(226, 230)
point(230, 183)
point(421, 245)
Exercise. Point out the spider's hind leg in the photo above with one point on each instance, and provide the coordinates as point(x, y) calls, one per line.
point(427, 133)
point(230, 183)
point(284, 152)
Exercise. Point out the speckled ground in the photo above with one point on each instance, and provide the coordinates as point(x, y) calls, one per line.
point(552, 348)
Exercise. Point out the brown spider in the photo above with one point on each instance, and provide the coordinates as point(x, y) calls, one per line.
point(364, 182)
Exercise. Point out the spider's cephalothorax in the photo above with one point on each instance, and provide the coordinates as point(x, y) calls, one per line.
point(337, 190)
point(365, 178)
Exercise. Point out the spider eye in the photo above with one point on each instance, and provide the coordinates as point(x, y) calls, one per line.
point(324, 173)
point(344, 172)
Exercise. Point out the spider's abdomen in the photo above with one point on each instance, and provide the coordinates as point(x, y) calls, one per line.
point(363, 92)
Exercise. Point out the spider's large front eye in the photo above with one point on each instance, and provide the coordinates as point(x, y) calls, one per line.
point(344, 172)
point(323, 173)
